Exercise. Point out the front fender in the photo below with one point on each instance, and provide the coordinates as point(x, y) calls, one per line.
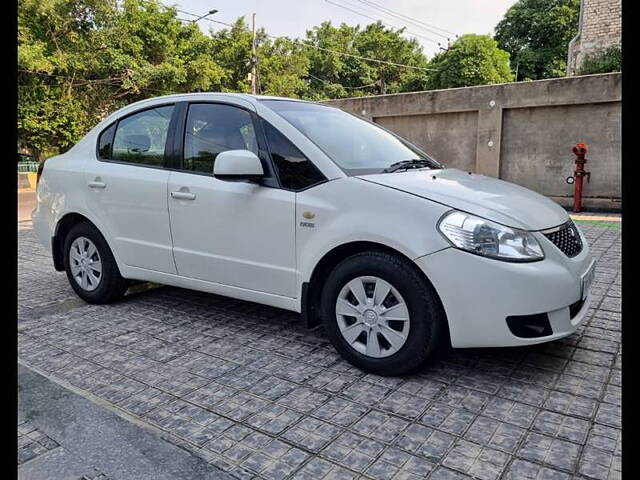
point(352, 210)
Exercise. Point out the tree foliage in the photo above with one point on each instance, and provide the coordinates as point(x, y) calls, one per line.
point(80, 59)
point(283, 67)
point(609, 60)
point(282, 64)
point(537, 33)
point(470, 60)
point(334, 76)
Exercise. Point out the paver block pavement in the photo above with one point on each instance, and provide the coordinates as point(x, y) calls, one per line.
point(250, 390)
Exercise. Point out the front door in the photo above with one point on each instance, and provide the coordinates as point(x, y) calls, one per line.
point(233, 233)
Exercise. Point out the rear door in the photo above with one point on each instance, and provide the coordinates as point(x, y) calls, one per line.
point(127, 188)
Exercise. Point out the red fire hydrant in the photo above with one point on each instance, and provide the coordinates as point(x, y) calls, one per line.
point(580, 150)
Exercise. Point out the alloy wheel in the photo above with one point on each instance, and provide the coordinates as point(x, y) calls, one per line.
point(85, 263)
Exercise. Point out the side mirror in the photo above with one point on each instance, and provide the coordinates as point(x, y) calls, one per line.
point(237, 165)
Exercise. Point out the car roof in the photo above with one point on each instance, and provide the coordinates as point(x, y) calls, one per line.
point(246, 96)
point(151, 101)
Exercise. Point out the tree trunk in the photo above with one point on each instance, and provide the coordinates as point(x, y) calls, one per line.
point(383, 85)
point(37, 154)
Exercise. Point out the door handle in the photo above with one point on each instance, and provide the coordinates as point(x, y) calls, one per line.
point(183, 195)
point(95, 184)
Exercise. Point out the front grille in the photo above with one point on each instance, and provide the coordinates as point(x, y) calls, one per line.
point(566, 238)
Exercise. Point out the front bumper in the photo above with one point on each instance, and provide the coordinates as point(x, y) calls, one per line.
point(479, 293)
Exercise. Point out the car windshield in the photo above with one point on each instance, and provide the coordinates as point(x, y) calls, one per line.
point(357, 146)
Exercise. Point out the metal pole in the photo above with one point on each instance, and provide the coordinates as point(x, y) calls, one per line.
point(253, 57)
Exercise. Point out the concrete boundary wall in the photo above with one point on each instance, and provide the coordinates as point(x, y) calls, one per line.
point(522, 132)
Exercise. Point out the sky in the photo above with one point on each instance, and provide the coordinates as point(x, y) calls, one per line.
point(293, 17)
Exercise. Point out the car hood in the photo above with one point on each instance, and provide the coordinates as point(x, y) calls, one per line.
point(487, 197)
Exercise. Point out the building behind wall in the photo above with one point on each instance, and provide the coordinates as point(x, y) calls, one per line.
point(600, 28)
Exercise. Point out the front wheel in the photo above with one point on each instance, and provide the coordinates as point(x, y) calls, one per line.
point(380, 314)
point(91, 269)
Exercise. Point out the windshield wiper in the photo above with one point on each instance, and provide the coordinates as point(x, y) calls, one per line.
point(406, 164)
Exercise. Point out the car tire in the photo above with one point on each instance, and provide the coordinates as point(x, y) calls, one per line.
point(91, 269)
point(389, 355)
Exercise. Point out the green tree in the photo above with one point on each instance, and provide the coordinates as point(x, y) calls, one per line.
point(332, 75)
point(537, 33)
point(231, 47)
point(330, 72)
point(54, 41)
point(470, 60)
point(282, 63)
point(282, 68)
point(387, 44)
point(607, 61)
point(80, 59)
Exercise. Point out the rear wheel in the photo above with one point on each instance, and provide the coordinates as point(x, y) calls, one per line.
point(90, 266)
point(380, 314)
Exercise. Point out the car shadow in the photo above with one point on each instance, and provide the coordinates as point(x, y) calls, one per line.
point(540, 364)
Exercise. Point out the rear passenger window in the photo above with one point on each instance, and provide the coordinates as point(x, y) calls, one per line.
point(105, 142)
point(140, 138)
point(295, 170)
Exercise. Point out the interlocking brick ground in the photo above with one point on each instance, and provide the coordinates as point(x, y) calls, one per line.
point(32, 442)
point(247, 388)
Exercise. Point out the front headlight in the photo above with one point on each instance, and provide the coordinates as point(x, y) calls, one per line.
point(490, 239)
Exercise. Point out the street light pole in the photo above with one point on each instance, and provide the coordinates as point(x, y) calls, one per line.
point(210, 12)
point(253, 57)
point(518, 61)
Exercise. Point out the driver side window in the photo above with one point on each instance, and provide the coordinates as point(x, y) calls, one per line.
point(212, 129)
point(295, 170)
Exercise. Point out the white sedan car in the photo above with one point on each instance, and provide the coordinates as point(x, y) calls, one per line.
point(302, 206)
